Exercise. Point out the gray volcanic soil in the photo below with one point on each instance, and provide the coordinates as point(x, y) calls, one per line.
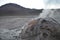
point(9, 22)
point(9, 25)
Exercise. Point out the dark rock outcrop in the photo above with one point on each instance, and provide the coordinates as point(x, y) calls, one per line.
point(42, 30)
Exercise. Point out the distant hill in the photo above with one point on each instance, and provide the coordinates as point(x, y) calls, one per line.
point(14, 9)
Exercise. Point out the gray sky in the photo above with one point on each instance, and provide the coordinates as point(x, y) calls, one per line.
point(37, 4)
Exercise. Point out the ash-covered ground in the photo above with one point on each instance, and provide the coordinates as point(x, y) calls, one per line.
point(9, 25)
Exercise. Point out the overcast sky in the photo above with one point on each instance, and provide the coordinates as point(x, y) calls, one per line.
point(37, 4)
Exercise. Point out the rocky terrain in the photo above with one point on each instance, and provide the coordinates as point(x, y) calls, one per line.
point(45, 27)
point(42, 28)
